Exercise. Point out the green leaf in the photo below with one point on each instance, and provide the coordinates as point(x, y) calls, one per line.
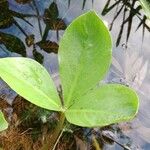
point(146, 7)
point(3, 122)
point(84, 55)
point(103, 106)
point(31, 80)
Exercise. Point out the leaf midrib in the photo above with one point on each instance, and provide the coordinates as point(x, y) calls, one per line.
point(87, 111)
point(80, 68)
point(36, 89)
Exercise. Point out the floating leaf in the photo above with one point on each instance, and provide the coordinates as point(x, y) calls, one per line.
point(3, 122)
point(12, 43)
point(30, 80)
point(48, 46)
point(102, 106)
point(146, 7)
point(84, 55)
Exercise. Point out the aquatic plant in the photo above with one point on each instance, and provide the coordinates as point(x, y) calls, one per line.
point(84, 59)
point(146, 7)
point(50, 18)
point(3, 122)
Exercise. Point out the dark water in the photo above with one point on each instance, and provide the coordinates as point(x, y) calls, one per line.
point(130, 65)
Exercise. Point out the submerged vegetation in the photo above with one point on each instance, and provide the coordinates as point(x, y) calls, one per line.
point(29, 126)
point(82, 103)
point(50, 18)
point(52, 22)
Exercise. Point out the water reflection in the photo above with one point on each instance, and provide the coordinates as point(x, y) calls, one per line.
point(130, 66)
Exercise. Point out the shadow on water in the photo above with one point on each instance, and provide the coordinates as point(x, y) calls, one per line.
point(128, 9)
point(32, 28)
